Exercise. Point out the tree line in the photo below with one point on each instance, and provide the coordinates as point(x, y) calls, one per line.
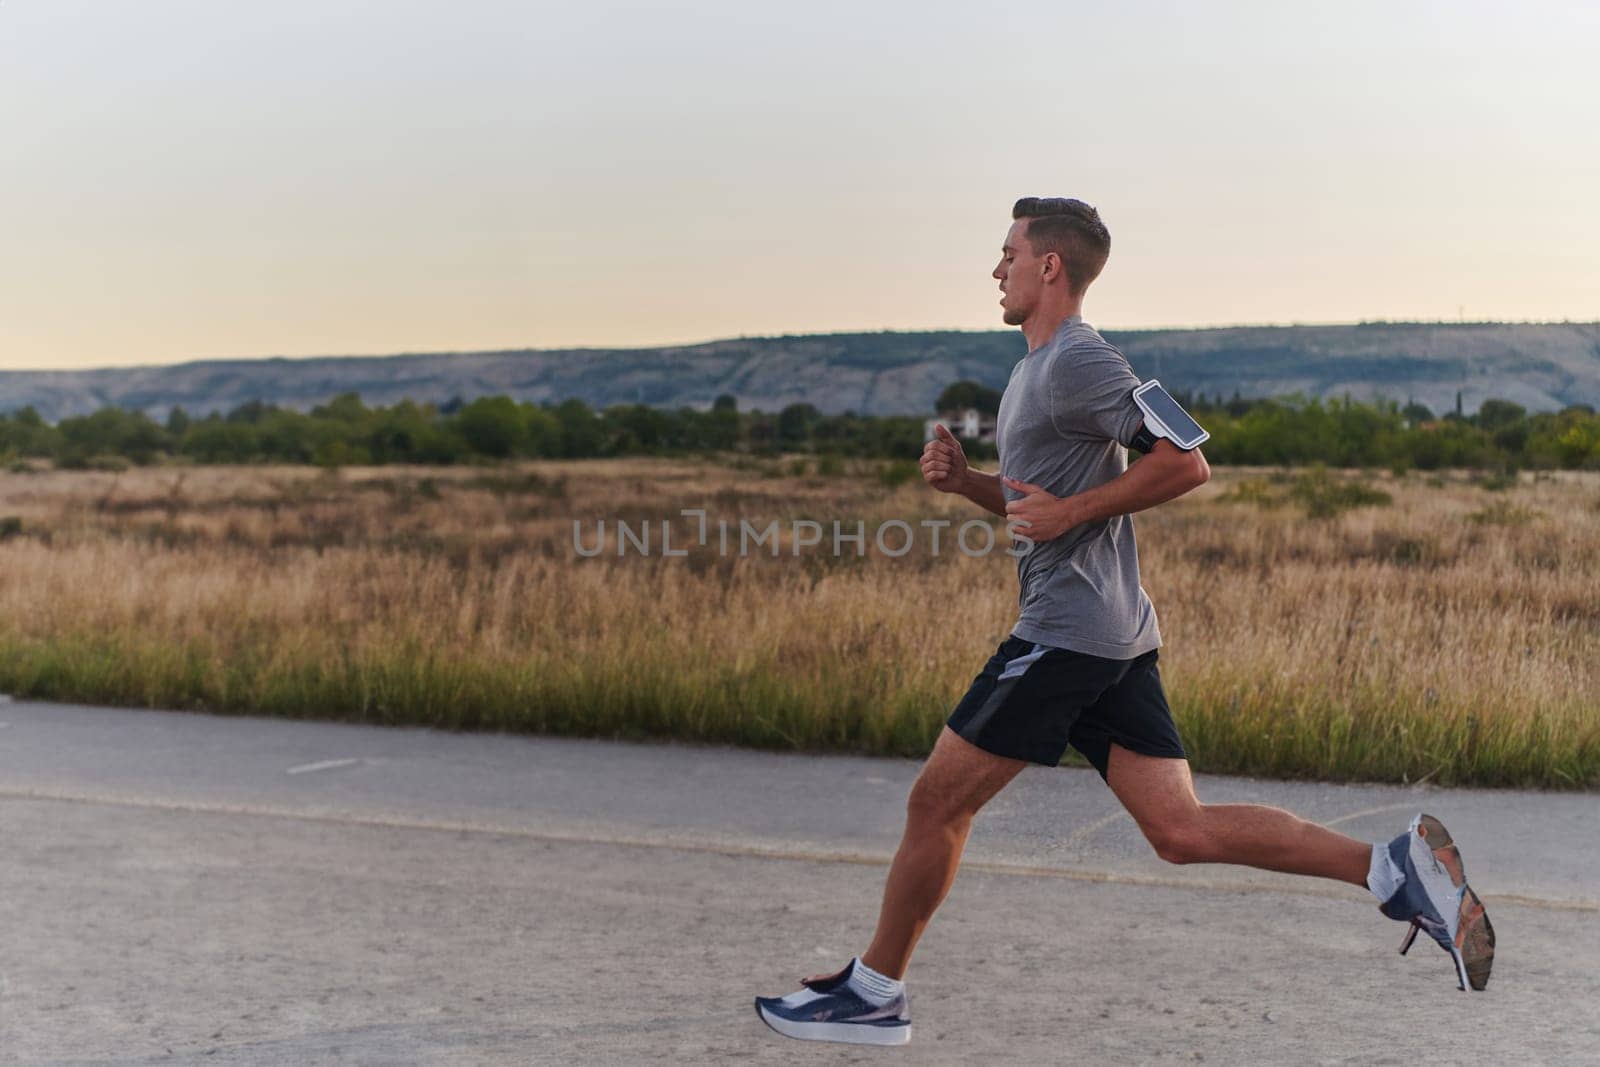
point(1345, 433)
point(345, 431)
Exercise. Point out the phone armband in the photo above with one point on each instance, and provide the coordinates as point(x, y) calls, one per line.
point(1165, 417)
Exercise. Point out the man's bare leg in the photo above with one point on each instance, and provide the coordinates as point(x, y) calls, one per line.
point(958, 779)
point(1159, 794)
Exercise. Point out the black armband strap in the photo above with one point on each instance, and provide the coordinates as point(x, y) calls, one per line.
point(1143, 440)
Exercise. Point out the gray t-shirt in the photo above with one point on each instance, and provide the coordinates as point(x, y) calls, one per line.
point(1065, 420)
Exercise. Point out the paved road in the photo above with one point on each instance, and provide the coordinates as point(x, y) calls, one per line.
point(189, 888)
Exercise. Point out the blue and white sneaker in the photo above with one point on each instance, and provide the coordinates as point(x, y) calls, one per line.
point(827, 1009)
point(1434, 896)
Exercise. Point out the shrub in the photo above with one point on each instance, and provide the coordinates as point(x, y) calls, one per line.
point(1505, 513)
point(1324, 496)
point(898, 473)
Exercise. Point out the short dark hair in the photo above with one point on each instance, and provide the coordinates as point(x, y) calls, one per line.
point(1072, 230)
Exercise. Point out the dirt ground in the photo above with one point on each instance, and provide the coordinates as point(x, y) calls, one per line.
point(183, 888)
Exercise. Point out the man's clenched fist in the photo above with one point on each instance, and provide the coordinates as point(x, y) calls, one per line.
point(944, 464)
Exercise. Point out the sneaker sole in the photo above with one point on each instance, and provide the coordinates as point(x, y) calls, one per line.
point(1473, 950)
point(845, 1033)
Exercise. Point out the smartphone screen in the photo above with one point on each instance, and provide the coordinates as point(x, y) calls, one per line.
point(1158, 402)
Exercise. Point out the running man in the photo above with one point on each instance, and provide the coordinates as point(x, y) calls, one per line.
point(1079, 667)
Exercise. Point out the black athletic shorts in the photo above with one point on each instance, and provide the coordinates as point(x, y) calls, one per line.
point(1031, 701)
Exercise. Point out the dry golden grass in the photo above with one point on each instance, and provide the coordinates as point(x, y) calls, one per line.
point(1452, 635)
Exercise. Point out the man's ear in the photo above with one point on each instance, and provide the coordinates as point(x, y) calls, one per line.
point(1052, 265)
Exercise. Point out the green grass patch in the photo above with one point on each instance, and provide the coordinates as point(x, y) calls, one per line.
point(1231, 724)
point(1319, 494)
point(1504, 513)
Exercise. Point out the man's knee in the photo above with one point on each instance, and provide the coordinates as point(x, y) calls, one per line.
point(1180, 840)
point(933, 802)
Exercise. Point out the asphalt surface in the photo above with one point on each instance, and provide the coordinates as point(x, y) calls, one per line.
point(184, 888)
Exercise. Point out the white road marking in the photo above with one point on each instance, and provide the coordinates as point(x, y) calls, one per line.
point(1309, 887)
point(325, 765)
point(1082, 834)
point(1354, 815)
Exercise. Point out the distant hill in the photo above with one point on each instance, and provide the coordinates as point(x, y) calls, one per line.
point(1542, 367)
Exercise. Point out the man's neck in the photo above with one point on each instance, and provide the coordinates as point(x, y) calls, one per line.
point(1043, 324)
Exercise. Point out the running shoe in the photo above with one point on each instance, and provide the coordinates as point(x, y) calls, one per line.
point(827, 1009)
point(1435, 898)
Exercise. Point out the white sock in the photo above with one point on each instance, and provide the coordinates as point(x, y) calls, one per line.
point(874, 988)
point(1383, 877)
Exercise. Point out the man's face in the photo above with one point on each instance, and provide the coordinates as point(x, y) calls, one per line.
point(1020, 274)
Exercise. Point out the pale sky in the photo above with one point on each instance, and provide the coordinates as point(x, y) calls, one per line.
point(187, 179)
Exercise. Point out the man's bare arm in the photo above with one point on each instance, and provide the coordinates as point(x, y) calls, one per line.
point(984, 490)
point(1166, 473)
